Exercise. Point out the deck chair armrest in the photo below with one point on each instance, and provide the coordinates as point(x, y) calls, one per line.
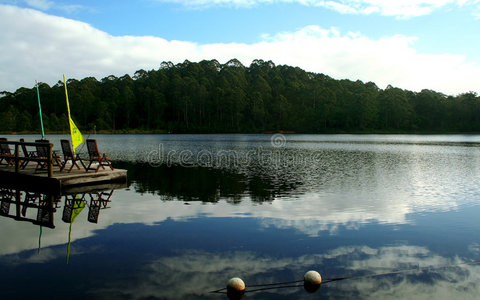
point(30, 153)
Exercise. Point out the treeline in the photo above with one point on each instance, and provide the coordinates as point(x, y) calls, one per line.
point(204, 184)
point(213, 97)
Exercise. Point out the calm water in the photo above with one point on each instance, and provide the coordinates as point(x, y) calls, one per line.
point(200, 209)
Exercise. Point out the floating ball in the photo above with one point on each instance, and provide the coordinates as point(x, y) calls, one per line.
point(235, 288)
point(312, 281)
point(236, 284)
point(312, 277)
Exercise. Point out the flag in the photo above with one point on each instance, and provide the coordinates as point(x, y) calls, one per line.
point(77, 137)
point(77, 206)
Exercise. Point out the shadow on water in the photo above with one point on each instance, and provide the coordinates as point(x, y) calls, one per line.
point(14, 204)
point(39, 208)
point(206, 184)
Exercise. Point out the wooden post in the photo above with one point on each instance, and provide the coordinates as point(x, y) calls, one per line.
point(50, 199)
point(17, 203)
point(49, 161)
point(17, 158)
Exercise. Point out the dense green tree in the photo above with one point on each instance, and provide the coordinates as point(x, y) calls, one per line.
point(211, 97)
point(395, 110)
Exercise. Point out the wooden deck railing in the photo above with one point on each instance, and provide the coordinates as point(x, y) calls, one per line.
point(18, 158)
point(39, 201)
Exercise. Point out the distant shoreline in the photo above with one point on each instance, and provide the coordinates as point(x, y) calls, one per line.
point(139, 132)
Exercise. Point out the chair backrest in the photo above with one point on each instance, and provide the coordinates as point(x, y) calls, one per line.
point(42, 150)
point(92, 148)
point(5, 148)
point(24, 148)
point(66, 149)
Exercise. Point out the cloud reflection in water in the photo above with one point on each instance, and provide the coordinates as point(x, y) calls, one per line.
point(191, 274)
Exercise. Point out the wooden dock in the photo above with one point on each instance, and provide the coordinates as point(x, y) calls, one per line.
point(41, 182)
point(16, 171)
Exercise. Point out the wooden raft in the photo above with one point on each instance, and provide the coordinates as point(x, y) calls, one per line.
point(59, 181)
point(44, 173)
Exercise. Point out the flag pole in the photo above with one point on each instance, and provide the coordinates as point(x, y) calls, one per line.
point(76, 135)
point(78, 204)
point(40, 109)
point(68, 105)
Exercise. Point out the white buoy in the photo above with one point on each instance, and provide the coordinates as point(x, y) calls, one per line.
point(312, 277)
point(236, 284)
point(312, 281)
point(235, 288)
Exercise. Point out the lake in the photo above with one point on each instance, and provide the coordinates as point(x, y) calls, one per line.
point(200, 209)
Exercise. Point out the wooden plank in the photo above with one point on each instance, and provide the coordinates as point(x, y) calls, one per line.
point(40, 181)
point(78, 189)
point(117, 175)
point(29, 182)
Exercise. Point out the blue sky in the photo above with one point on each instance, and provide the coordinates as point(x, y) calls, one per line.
point(412, 44)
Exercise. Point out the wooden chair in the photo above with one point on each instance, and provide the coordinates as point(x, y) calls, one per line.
point(72, 202)
point(96, 156)
point(45, 212)
point(68, 155)
point(42, 153)
point(98, 201)
point(6, 198)
point(27, 154)
point(6, 155)
point(30, 197)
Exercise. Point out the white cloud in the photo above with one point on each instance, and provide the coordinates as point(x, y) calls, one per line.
point(403, 9)
point(209, 271)
point(476, 12)
point(211, 3)
point(48, 5)
point(43, 47)
point(40, 4)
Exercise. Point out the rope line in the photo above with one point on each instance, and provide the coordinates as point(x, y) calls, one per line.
point(288, 284)
point(278, 287)
point(219, 291)
point(272, 288)
point(399, 272)
point(279, 283)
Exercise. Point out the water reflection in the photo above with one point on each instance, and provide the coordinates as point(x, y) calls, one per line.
point(98, 200)
point(187, 260)
point(179, 231)
point(40, 209)
point(186, 251)
point(206, 184)
point(14, 204)
point(345, 189)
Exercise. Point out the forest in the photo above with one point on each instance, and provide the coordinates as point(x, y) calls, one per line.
point(209, 97)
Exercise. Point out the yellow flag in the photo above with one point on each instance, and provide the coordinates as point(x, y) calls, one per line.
point(78, 206)
point(77, 137)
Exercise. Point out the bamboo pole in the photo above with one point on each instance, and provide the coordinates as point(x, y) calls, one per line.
point(49, 161)
point(17, 158)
